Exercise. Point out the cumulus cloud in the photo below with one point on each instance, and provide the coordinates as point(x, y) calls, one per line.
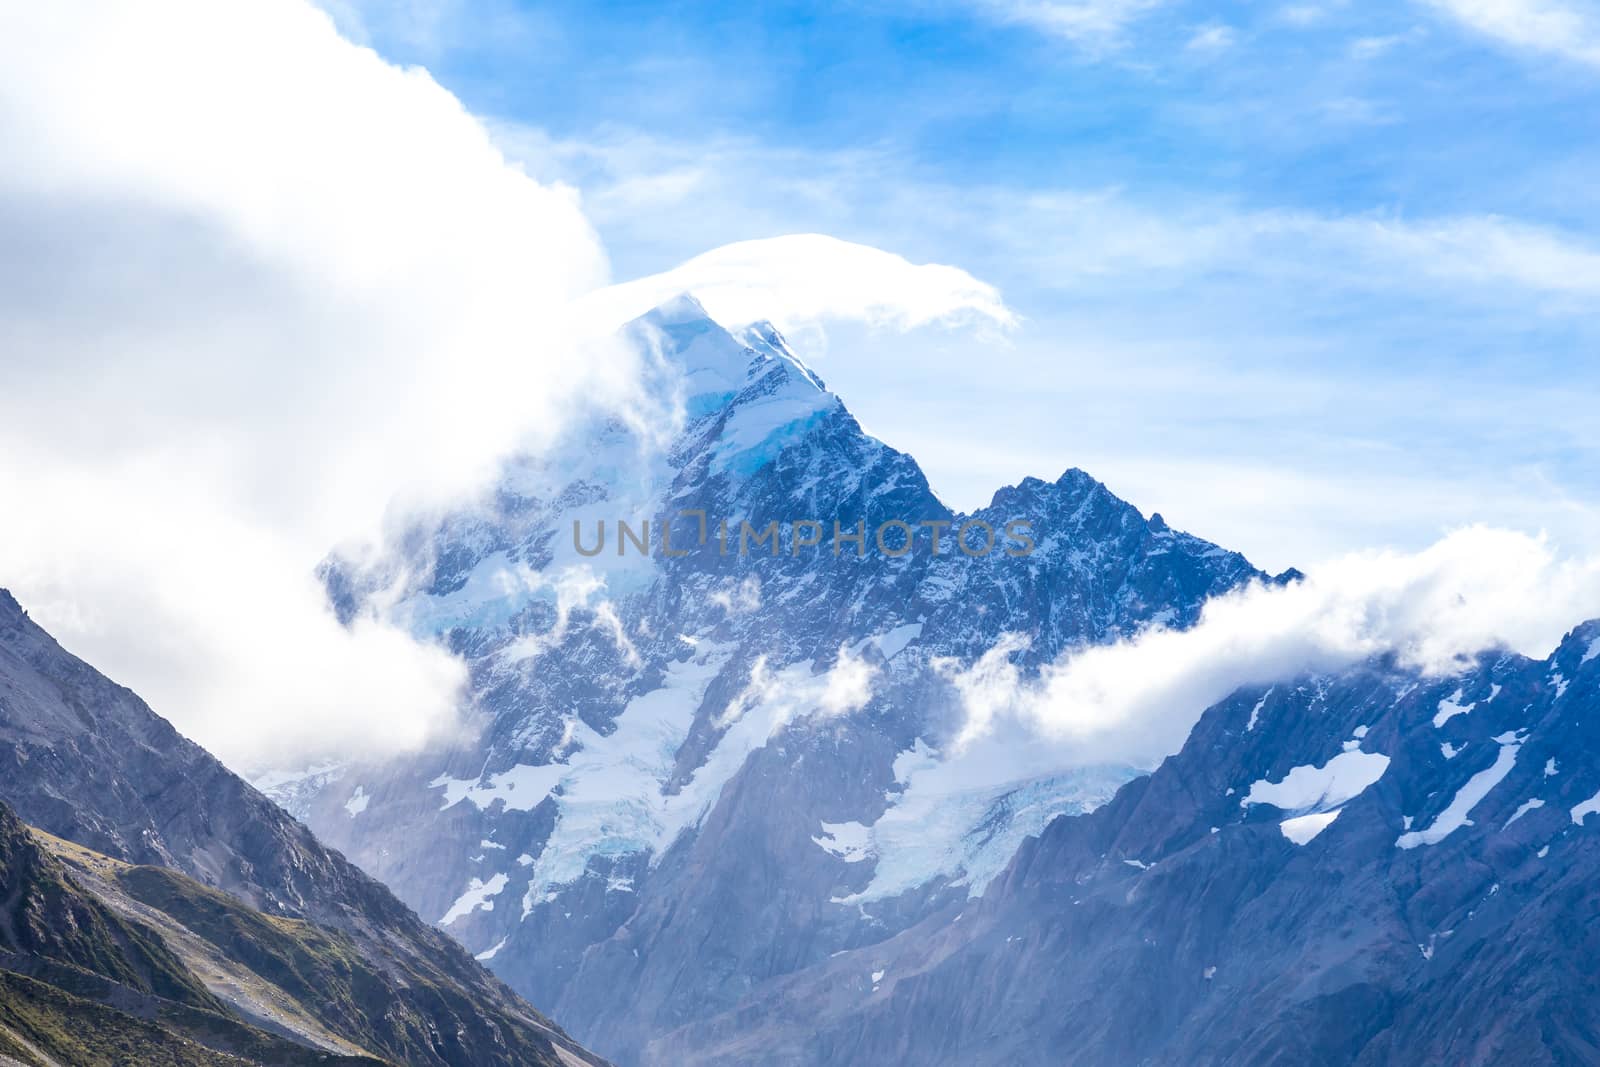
point(258, 280)
point(254, 283)
point(1135, 701)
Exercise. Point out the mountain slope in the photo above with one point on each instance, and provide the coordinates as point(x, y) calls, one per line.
point(84, 982)
point(705, 769)
point(86, 761)
point(1430, 900)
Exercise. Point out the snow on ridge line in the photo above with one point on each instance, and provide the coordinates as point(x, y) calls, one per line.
point(1255, 712)
point(1467, 798)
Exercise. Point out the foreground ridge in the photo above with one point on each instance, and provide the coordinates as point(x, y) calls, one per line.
point(166, 881)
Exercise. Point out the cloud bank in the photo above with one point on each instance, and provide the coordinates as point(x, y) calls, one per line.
point(254, 283)
point(1136, 701)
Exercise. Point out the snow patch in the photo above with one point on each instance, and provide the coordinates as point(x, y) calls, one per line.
point(1588, 807)
point(1527, 806)
point(612, 801)
point(850, 841)
point(962, 816)
point(1450, 707)
point(358, 802)
point(521, 788)
point(1455, 816)
point(1551, 769)
point(1302, 828)
point(485, 957)
point(1255, 712)
point(479, 894)
point(1332, 785)
point(293, 791)
point(891, 644)
point(1448, 750)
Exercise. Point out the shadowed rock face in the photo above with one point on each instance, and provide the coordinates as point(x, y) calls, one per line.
point(87, 761)
point(647, 806)
point(1447, 913)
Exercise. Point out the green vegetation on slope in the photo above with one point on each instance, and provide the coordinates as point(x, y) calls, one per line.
point(82, 1033)
point(81, 985)
point(390, 1010)
point(46, 917)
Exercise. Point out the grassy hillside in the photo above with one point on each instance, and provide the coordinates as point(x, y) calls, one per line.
point(84, 984)
point(89, 762)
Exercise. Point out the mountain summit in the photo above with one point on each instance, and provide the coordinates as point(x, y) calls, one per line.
point(709, 765)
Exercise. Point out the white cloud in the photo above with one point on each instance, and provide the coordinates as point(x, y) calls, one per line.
point(793, 693)
point(1137, 700)
point(1557, 27)
point(1212, 38)
point(805, 279)
point(579, 587)
point(738, 598)
point(1050, 238)
point(1105, 235)
point(1083, 22)
point(254, 282)
point(264, 281)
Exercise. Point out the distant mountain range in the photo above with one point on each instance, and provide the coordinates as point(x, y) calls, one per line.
point(155, 909)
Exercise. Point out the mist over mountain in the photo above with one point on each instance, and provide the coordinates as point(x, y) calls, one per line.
point(705, 770)
point(778, 759)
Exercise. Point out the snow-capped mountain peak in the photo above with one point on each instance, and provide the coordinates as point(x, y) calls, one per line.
point(694, 651)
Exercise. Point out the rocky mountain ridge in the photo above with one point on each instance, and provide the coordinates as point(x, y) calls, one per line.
point(1372, 867)
point(700, 774)
point(167, 852)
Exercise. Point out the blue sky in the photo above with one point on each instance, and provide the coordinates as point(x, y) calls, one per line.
point(1307, 277)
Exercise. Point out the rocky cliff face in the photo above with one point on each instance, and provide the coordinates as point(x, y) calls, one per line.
point(704, 771)
point(1374, 867)
point(86, 761)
